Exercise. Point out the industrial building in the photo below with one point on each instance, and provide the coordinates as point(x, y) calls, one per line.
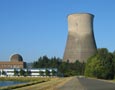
point(80, 43)
point(16, 61)
point(16, 64)
point(32, 72)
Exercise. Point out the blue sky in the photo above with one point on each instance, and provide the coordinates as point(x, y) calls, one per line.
point(34, 28)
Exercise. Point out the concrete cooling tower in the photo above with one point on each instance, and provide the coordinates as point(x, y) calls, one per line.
point(80, 43)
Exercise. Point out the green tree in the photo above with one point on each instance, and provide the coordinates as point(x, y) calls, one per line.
point(47, 72)
point(45, 62)
point(22, 72)
point(16, 72)
point(41, 73)
point(54, 73)
point(28, 73)
point(64, 68)
point(100, 65)
point(3, 72)
point(114, 62)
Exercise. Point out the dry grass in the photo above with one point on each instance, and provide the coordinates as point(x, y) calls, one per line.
point(30, 81)
point(58, 84)
point(50, 85)
point(23, 79)
point(37, 83)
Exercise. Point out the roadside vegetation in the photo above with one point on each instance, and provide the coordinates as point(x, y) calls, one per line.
point(53, 84)
point(36, 83)
point(24, 79)
point(101, 65)
point(65, 69)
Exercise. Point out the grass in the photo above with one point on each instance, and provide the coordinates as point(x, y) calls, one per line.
point(30, 81)
point(50, 85)
point(36, 83)
point(23, 79)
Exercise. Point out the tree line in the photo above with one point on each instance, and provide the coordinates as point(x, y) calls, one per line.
point(101, 65)
point(64, 68)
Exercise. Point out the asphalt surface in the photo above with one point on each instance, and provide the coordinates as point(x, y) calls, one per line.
point(87, 84)
point(73, 84)
point(93, 84)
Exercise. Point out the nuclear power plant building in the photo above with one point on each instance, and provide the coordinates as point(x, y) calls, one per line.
point(16, 61)
point(80, 43)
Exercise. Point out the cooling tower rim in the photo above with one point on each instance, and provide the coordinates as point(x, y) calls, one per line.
point(82, 13)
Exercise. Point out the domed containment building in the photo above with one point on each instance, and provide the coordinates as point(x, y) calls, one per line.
point(80, 43)
point(16, 61)
point(16, 58)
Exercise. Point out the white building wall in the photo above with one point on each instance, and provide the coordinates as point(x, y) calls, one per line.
point(34, 72)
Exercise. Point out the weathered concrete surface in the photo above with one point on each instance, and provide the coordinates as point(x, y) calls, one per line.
point(80, 43)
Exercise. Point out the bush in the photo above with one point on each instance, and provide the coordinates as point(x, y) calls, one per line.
point(100, 65)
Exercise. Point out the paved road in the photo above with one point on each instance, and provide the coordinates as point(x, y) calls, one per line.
point(87, 84)
point(73, 84)
point(92, 84)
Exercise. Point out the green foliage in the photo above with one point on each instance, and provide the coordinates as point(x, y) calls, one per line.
point(30, 81)
point(45, 62)
point(72, 69)
point(3, 72)
point(22, 72)
point(114, 63)
point(64, 68)
point(47, 72)
point(100, 65)
point(16, 72)
point(53, 73)
point(28, 73)
point(41, 73)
